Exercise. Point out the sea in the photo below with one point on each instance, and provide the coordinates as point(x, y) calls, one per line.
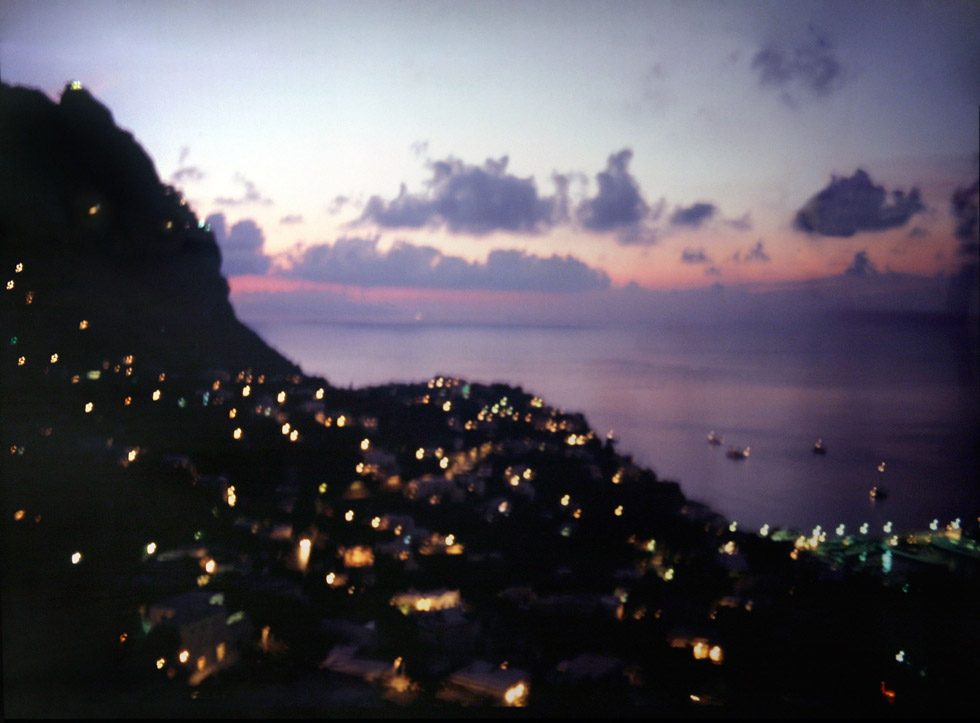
point(893, 392)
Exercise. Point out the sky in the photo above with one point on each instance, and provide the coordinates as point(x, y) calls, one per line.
point(528, 160)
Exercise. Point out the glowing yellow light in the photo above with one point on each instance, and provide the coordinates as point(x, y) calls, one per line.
point(281, 397)
point(156, 395)
point(349, 515)
point(151, 548)
point(565, 500)
point(450, 539)
point(669, 574)
point(375, 522)
point(319, 393)
point(21, 361)
point(700, 650)
point(423, 604)
point(10, 285)
point(365, 445)
point(232, 413)
point(89, 407)
point(447, 406)
point(160, 663)
point(294, 435)
point(444, 463)
point(285, 428)
point(341, 420)
point(618, 511)
point(716, 654)
point(127, 401)
point(76, 557)
point(246, 390)
point(577, 514)
point(231, 497)
point(331, 576)
point(237, 434)
point(29, 298)
point(83, 325)
point(54, 358)
point(184, 656)
point(19, 515)
point(322, 488)
point(131, 455)
point(516, 695)
point(18, 268)
point(419, 453)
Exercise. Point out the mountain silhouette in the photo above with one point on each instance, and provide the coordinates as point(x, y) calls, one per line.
point(101, 239)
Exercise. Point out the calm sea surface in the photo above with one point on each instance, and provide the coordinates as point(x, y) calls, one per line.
point(905, 396)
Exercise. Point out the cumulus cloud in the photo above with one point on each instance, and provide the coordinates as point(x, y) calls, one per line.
point(755, 254)
point(694, 256)
point(291, 218)
point(861, 266)
point(849, 205)
point(694, 215)
point(472, 199)
point(359, 262)
point(812, 67)
point(618, 205)
point(250, 195)
point(241, 246)
point(184, 172)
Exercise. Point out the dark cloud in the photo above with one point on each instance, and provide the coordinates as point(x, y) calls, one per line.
point(742, 223)
point(918, 232)
point(250, 195)
point(337, 204)
point(812, 67)
point(694, 256)
point(184, 172)
point(964, 206)
point(694, 215)
point(962, 291)
point(755, 254)
point(359, 262)
point(618, 205)
point(241, 247)
point(472, 199)
point(291, 219)
point(849, 205)
point(712, 271)
point(861, 266)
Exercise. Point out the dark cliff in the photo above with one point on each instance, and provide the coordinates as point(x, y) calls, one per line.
point(101, 239)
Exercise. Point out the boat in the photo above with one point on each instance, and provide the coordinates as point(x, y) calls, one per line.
point(878, 491)
point(714, 439)
point(738, 452)
point(819, 448)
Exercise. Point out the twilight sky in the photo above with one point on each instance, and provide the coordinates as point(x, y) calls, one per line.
point(398, 154)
